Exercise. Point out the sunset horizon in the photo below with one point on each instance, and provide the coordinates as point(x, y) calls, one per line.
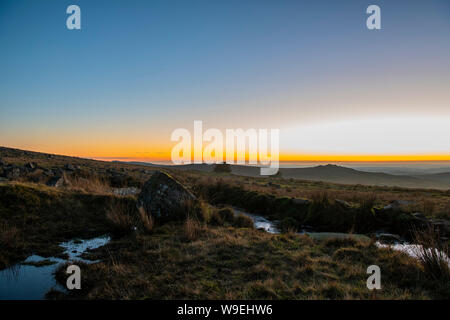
point(224, 158)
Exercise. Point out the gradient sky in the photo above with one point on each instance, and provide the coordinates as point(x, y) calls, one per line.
point(140, 69)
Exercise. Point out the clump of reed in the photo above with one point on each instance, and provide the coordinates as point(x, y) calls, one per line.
point(432, 253)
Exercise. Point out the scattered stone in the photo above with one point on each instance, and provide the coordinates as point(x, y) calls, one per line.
point(273, 185)
point(300, 201)
point(442, 226)
point(398, 205)
point(388, 238)
point(31, 165)
point(131, 191)
point(419, 215)
point(12, 172)
point(57, 181)
point(164, 197)
point(69, 167)
point(342, 203)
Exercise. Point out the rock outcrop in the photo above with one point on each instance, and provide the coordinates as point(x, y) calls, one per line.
point(165, 198)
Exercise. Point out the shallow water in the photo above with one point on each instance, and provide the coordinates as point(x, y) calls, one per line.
point(28, 282)
point(413, 250)
point(270, 226)
point(260, 222)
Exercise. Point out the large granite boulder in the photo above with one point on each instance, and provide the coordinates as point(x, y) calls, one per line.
point(165, 198)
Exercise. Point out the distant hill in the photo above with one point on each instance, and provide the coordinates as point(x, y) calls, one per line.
point(338, 174)
point(442, 177)
point(326, 173)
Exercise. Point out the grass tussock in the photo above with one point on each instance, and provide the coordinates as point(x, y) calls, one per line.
point(11, 244)
point(122, 217)
point(9, 236)
point(87, 184)
point(242, 221)
point(192, 229)
point(433, 254)
point(146, 220)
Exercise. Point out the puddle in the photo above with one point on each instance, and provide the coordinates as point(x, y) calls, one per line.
point(31, 282)
point(75, 248)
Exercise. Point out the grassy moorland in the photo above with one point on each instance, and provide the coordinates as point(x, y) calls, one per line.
point(210, 253)
point(243, 263)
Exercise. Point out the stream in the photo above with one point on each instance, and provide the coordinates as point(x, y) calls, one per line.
point(412, 250)
point(34, 277)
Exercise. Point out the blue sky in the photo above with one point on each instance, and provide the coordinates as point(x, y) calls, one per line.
point(139, 69)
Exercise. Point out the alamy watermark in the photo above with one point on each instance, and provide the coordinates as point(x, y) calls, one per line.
point(74, 280)
point(73, 22)
point(374, 280)
point(237, 146)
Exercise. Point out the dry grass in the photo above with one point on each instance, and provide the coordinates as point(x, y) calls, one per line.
point(146, 219)
point(11, 244)
point(121, 216)
point(321, 197)
point(91, 184)
point(432, 253)
point(368, 200)
point(232, 263)
point(192, 229)
point(9, 236)
point(242, 221)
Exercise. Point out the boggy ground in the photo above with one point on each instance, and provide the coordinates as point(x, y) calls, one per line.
point(34, 219)
point(243, 263)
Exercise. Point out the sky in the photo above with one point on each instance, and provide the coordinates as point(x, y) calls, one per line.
point(138, 70)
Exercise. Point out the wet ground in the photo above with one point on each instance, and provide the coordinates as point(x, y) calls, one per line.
point(34, 277)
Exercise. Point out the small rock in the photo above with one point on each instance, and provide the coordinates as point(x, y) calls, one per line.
point(388, 238)
point(69, 167)
point(57, 181)
point(131, 191)
point(12, 172)
point(398, 205)
point(31, 165)
point(300, 201)
point(441, 225)
point(343, 204)
point(419, 215)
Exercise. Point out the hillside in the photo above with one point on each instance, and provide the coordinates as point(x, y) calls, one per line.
point(335, 174)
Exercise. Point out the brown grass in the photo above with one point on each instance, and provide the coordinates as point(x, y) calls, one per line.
point(9, 236)
point(192, 229)
point(91, 184)
point(120, 214)
point(146, 219)
point(242, 221)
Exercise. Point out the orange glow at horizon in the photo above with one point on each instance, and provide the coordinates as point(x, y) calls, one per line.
point(162, 152)
point(313, 158)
